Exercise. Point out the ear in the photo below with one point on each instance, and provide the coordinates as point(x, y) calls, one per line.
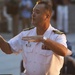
point(47, 16)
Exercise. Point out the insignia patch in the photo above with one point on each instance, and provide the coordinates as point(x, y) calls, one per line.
point(45, 47)
point(57, 32)
point(28, 28)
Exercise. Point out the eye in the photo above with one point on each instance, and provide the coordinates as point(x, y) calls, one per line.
point(37, 11)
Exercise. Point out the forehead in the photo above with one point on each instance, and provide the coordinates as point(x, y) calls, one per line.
point(39, 7)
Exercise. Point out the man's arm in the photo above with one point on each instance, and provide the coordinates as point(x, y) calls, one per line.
point(57, 47)
point(5, 47)
point(50, 44)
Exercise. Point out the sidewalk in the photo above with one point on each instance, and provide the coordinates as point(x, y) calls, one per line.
point(9, 64)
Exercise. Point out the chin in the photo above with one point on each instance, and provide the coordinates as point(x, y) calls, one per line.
point(33, 24)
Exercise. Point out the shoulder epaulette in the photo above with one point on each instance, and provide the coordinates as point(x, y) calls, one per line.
point(28, 28)
point(57, 32)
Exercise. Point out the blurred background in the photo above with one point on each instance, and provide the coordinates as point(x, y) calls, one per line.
point(15, 15)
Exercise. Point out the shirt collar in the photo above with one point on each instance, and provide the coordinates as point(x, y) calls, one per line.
point(48, 31)
point(46, 34)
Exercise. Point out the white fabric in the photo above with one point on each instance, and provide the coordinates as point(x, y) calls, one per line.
point(25, 12)
point(62, 18)
point(8, 17)
point(36, 60)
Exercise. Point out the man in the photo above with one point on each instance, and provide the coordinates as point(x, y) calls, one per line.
point(26, 7)
point(62, 15)
point(11, 12)
point(43, 47)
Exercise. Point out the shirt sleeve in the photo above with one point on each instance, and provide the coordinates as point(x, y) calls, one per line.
point(62, 39)
point(16, 43)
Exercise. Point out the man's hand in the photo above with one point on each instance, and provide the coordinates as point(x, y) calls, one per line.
point(5, 47)
point(38, 38)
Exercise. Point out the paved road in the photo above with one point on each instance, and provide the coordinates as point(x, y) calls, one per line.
point(9, 64)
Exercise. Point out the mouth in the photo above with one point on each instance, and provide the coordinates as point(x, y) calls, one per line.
point(33, 21)
point(33, 18)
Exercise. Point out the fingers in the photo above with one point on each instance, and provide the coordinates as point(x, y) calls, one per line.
point(32, 38)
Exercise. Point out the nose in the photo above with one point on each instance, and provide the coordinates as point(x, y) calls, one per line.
point(33, 14)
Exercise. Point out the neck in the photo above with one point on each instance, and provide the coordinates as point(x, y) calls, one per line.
point(41, 30)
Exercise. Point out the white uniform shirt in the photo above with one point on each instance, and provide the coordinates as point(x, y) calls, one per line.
point(38, 61)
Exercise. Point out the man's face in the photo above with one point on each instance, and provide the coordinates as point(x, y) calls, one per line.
point(38, 15)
